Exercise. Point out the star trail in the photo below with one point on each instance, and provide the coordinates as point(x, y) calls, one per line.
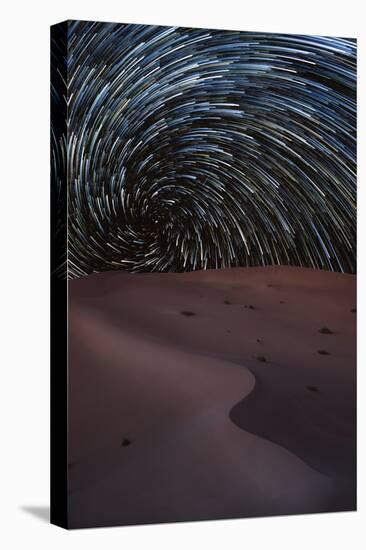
point(194, 149)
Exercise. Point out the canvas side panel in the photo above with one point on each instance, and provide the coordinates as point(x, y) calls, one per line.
point(59, 275)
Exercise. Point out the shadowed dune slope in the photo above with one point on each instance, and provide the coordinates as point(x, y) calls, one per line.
point(212, 394)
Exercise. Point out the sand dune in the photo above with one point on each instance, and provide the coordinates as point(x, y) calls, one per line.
point(203, 395)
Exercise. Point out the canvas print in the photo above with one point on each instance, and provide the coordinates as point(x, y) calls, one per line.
point(203, 274)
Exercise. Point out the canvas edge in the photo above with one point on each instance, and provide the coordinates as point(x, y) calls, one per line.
point(58, 276)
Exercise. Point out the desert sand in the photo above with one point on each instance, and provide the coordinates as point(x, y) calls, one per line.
point(212, 394)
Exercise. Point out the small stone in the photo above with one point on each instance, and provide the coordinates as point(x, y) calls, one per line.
point(326, 330)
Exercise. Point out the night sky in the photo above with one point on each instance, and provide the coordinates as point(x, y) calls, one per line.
point(194, 149)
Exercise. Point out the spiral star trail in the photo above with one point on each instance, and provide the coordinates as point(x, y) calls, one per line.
point(195, 149)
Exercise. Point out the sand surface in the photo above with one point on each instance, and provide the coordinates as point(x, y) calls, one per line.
point(204, 396)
